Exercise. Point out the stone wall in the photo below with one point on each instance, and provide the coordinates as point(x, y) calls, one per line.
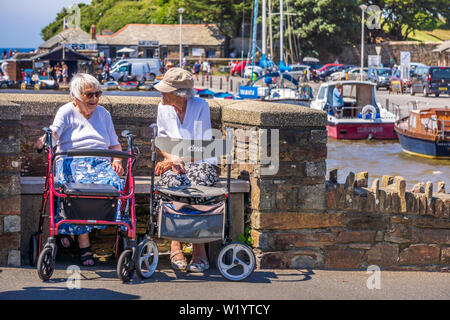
point(298, 218)
point(10, 200)
point(383, 225)
point(420, 52)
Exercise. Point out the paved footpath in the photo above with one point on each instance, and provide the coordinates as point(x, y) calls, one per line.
point(101, 282)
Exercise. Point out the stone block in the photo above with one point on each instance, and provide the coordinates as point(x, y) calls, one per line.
point(11, 223)
point(9, 185)
point(334, 176)
point(263, 194)
point(289, 241)
point(356, 236)
point(295, 220)
point(312, 197)
point(445, 256)
point(14, 258)
point(10, 204)
point(337, 257)
point(400, 185)
point(431, 236)
point(386, 180)
point(362, 179)
point(398, 233)
point(383, 254)
point(319, 136)
point(298, 259)
point(316, 168)
point(363, 221)
point(9, 241)
point(420, 254)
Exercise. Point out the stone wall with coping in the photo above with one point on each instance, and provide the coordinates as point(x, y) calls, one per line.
point(10, 199)
point(421, 52)
point(298, 218)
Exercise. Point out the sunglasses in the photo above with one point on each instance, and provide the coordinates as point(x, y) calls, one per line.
point(89, 95)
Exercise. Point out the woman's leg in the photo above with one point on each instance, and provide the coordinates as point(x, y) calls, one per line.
point(177, 259)
point(198, 251)
point(199, 262)
point(83, 242)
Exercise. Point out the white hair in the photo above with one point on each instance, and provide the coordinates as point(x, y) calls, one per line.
point(185, 93)
point(79, 81)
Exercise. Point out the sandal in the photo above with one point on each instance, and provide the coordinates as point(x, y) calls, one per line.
point(66, 241)
point(85, 255)
point(180, 264)
point(199, 267)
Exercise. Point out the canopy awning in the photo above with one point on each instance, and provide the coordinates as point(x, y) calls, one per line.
point(125, 50)
point(57, 54)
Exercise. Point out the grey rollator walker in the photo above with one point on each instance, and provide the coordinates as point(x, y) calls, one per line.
point(197, 214)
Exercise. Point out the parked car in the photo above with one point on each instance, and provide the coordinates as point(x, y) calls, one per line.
point(298, 71)
point(328, 66)
point(380, 76)
point(255, 70)
point(324, 75)
point(430, 80)
point(238, 68)
point(353, 74)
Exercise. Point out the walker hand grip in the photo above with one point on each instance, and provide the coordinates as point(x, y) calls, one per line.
point(154, 127)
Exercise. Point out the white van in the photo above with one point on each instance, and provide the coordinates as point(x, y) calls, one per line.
point(140, 71)
point(154, 65)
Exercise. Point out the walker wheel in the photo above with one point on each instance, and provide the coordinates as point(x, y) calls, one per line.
point(236, 261)
point(147, 258)
point(125, 268)
point(33, 250)
point(46, 264)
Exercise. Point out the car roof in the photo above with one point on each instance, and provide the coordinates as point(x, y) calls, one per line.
point(327, 84)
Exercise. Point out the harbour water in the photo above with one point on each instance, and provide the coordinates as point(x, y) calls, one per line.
point(384, 158)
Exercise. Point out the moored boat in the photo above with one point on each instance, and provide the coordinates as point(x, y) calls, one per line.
point(426, 133)
point(361, 117)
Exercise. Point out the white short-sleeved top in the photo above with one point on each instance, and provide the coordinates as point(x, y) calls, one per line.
point(196, 123)
point(76, 132)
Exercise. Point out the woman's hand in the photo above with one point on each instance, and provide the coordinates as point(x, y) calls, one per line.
point(163, 166)
point(39, 144)
point(117, 167)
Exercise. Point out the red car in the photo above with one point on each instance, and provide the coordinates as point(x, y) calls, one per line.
point(238, 68)
point(329, 65)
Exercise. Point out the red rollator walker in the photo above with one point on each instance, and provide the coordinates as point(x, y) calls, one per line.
point(92, 204)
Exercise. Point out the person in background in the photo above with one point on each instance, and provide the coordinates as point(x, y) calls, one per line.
point(338, 98)
point(65, 72)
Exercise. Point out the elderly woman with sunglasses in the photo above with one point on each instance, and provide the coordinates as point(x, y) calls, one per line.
point(83, 124)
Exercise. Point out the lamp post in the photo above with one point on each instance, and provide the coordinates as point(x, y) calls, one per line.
point(363, 7)
point(181, 11)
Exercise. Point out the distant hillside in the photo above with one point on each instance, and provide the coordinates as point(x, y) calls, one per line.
point(435, 35)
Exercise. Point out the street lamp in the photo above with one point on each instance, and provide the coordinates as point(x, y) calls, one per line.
point(181, 11)
point(363, 7)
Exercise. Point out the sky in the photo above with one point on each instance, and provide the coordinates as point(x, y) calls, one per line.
point(21, 21)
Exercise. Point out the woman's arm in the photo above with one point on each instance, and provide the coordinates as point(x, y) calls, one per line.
point(169, 162)
point(117, 162)
point(40, 141)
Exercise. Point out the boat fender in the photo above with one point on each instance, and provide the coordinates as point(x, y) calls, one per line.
point(369, 109)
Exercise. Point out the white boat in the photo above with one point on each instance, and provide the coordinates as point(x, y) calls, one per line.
point(361, 117)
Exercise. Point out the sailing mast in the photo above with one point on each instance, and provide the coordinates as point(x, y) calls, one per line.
point(281, 31)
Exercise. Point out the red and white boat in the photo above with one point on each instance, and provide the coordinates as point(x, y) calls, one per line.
point(362, 117)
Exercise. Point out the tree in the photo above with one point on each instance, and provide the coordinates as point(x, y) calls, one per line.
point(324, 25)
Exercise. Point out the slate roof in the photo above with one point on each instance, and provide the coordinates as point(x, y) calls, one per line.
point(166, 34)
point(72, 35)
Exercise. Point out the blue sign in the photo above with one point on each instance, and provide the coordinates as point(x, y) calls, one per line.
point(248, 92)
